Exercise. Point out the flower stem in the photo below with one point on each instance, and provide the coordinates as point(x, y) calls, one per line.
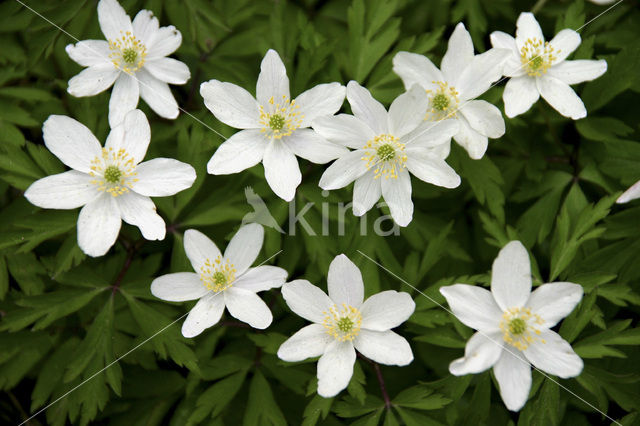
point(383, 388)
point(131, 251)
point(536, 7)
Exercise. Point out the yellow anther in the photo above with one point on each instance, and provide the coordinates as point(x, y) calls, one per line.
point(517, 326)
point(114, 171)
point(537, 56)
point(342, 322)
point(280, 119)
point(443, 102)
point(386, 154)
point(127, 52)
point(217, 275)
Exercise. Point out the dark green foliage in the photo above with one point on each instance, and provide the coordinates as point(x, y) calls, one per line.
point(549, 182)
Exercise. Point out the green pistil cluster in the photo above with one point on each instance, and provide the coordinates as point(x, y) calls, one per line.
point(276, 122)
point(129, 55)
point(345, 324)
point(220, 279)
point(386, 152)
point(440, 102)
point(112, 174)
point(517, 326)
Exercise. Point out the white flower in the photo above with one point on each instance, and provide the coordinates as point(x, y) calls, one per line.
point(630, 194)
point(539, 68)
point(134, 58)
point(451, 92)
point(222, 280)
point(387, 147)
point(109, 182)
point(342, 323)
point(276, 127)
point(514, 326)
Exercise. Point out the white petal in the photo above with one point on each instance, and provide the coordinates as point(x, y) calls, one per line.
point(474, 142)
point(157, 95)
point(308, 342)
point(561, 97)
point(335, 368)
point(513, 374)
point(90, 52)
point(430, 134)
point(261, 278)
point(93, 80)
point(554, 301)
point(564, 43)
point(311, 146)
point(168, 70)
point(98, 225)
point(71, 141)
point(272, 80)
point(281, 170)
point(519, 94)
point(145, 26)
point(344, 129)
point(481, 353)
point(630, 194)
point(133, 135)
point(162, 177)
point(527, 28)
point(384, 347)
point(366, 192)
point(68, 190)
point(552, 354)
point(413, 68)
point(243, 150)
point(367, 109)
point(483, 70)
point(165, 42)
point(407, 111)
point(386, 310)
point(247, 306)
point(484, 118)
point(231, 104)
point(124, 98)
point(319, 101)
point(474, 306)
point(306, 300)
point(244, 247)
point(574, 72)
point(138, 210)
point(204, 314)
point(397, 195)
point(345, 282)
point(512, 66)
point(459, 53)
point(511, 276)
point(114, 21)
point(178, 287)
point(429, 168)
point(199, 248)
point(343, 171)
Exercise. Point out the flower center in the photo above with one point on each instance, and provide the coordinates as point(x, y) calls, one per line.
point(276, 122)
point(518, 327)
point(114, 171)
point(279, 119)
point(112, 174)
point(386, 154)
point(129, 55)
point(537, 56)
point(342, 322)
point(127, 52)
point(443, 102)
point(217, 275)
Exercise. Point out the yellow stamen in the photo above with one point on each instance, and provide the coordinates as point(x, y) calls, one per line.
point(342, 322)
point(114, 171)
point(217, 275)
point(537, 56)
point(517, 326)
point(127, 52)
point(280, 119)
point(386, 154)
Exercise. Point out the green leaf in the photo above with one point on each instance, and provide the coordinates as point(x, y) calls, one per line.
point(262, 408)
